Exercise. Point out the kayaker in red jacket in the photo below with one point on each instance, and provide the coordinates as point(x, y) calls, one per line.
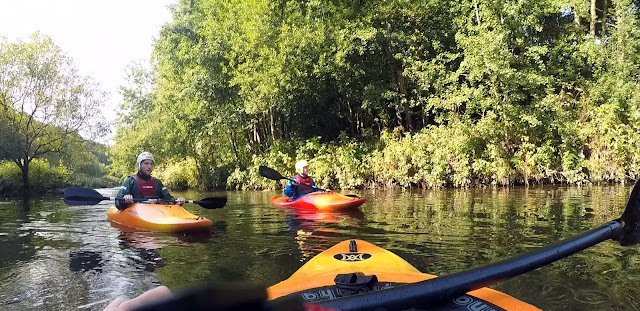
point(142, 185)
point(302, 183)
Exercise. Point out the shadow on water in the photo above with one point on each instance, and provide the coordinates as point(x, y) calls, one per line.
point(85, 261)
point(57, 257)
point(145, 246)
point(16, 241)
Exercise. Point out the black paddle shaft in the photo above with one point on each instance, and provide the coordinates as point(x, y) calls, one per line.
point(626, 230)
point(87, 196)
point(438, 290)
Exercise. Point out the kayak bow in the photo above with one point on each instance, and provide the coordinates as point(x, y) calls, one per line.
point(158, 217)
point(360, 276)
point(355, 266)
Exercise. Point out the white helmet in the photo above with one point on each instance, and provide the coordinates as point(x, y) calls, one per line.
point(300, 165)
point(143, 156)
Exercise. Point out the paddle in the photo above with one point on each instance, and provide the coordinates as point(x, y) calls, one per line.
point(272, 174)
point(431, 292)
point(86, 196)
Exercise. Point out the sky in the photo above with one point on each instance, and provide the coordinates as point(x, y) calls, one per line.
point(102, 37)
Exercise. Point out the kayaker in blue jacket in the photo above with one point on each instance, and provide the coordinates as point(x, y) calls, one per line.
point(143, 186)
point(302, 183)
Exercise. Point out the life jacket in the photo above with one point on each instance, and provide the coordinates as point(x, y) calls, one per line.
point(146, 187)
point(305, 184)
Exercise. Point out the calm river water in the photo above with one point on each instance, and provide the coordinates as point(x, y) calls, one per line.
point(59, 257)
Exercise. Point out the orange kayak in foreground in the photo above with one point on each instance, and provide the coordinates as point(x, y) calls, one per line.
point(320, 200)
point(321, 278)
point(158, 217)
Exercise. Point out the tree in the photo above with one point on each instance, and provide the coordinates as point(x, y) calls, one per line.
point(44, 104)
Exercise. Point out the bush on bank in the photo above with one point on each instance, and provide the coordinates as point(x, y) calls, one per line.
point(46, 177)
point(453, 155)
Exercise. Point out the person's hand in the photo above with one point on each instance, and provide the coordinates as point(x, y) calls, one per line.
point(180, 201)
point(128, 199)
point(150, 296)
point(295, 182)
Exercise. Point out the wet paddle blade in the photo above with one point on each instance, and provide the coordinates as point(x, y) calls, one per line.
point(212, 203)
point(631, 219)
point(82, 196)
point(270, 173)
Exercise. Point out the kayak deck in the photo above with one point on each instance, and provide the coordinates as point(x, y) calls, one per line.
point(158, 217)
point(317, 279)
point(320, 201)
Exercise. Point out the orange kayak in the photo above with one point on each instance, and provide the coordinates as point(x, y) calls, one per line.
point(321, 278)
point(158, 217)
point(319, 200)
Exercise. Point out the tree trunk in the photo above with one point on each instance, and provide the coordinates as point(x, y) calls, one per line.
point(265, 131)
point(352, 120)
point(234, 147)
point(409, 117)
point(25, 175)
point(198, 168)
point(272, 123)
point(283, 126)
point(254, 134)
point(594, 16)
point(402, 85)
point(399, 117)
point(604, 18)
point(289, 125)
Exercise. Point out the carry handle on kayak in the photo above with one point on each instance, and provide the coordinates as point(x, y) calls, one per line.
point(272, 174)
point(87, 196)
point(625, 230)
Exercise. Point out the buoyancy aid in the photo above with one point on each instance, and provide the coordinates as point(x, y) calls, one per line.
point(146, 187)
point(305, 184)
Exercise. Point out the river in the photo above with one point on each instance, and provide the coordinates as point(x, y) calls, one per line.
point(59, 257)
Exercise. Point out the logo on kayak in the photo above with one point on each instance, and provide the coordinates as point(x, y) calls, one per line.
point(473, 303)
point(352, 256)
point(134, 212)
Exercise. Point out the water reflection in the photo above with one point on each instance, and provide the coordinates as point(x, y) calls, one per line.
point(314, 230)
point(55, 256)
point(85, 261)
point(311, 220)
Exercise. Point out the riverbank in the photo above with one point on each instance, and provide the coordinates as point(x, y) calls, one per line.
point(47, 179)
point(453, 156)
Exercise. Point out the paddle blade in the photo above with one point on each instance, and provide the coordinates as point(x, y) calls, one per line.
point(82, 196)
point(270, 173)
point(631, 219)
point(212, 203)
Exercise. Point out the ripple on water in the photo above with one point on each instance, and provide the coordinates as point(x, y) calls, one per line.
point(70, 257)
point(591, 297)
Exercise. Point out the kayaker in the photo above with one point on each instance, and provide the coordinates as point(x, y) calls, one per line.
point(302, 183)
point(143, 186)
